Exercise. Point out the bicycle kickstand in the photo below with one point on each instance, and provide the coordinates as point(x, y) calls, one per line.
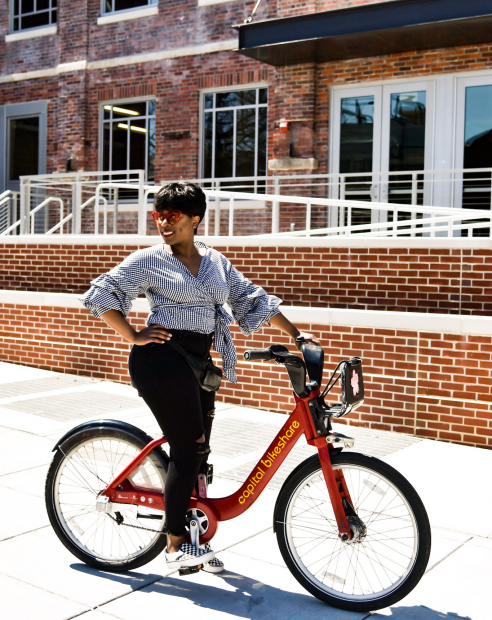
point(195, 541)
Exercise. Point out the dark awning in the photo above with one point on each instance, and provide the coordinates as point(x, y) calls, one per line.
point(369, 30)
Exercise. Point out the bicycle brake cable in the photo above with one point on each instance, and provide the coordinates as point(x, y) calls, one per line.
point(330, 385)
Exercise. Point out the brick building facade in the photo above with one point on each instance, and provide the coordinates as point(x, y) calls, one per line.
point(72, 72)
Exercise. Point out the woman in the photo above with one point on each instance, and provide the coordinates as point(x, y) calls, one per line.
point(186, 284)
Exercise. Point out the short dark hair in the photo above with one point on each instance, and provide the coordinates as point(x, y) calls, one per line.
point(181, 195)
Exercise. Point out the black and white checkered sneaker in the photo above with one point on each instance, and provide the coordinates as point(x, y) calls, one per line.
point(188, 555)
point(215, 565)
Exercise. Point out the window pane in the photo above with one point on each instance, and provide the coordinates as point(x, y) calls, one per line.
point(53, 17)
point(119, 147)
point(263, 95)
point(107, 112)
point(138, 133)
point(41, 5)
point(151, 156)
point(151, 110)
point(122, 5)
point(262, 141)
point(108, 6)
point(16, 7)
point(106, 145)
point(27, 6)
point(207, 164)
point(127, 110)
point(23, 147)
point(209, 100)
point(224, 127)
point(16, 24)
point(245, 142)
point(35, 20)
point(407, 131)
point(356, 134)
point(478, 127)
point(234, 98)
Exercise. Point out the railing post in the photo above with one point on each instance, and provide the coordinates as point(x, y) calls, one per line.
point(116, 192)
point(76, 204)
point(24, 207)
point(308, 219)
point(341, 209)
point(231, 217)
point(142, 206)
point(276, 207)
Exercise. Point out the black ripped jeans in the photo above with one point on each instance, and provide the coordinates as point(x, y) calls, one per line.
point(183, 410)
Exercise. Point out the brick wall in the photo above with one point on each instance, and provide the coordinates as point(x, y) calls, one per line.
point(406, 279)
point(429, 383)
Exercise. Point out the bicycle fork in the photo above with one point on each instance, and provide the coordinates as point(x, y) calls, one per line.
point(338, 491)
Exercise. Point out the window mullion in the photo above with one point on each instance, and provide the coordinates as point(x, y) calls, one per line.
point(234, 140)
point(214, 118)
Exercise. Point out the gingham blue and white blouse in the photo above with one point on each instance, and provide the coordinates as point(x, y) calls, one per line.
point(178, 300)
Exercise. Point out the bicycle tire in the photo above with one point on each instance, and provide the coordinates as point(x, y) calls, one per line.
point(80, 469)
point(357, 576)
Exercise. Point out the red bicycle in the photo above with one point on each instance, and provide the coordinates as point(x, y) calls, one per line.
point(351, 529)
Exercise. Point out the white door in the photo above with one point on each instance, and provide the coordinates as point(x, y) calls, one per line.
point(385, 132)
point(473, 146)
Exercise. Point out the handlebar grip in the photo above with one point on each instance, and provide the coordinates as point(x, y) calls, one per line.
point(264, 355)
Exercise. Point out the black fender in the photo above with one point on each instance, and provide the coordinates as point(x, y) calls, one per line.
point(308, 461)
point(116, 425)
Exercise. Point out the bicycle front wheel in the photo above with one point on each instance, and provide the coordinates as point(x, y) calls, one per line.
point(82, 467)
point(389, 552)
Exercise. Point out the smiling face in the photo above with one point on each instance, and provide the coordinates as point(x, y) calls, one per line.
point(181, 231)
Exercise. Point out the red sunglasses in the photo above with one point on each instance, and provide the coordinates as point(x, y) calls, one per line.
point(171, 216)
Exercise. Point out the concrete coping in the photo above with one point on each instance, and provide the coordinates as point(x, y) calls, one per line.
point(458, 243)
point(412, 321)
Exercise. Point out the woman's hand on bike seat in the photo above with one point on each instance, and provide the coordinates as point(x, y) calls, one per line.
point(305, 337)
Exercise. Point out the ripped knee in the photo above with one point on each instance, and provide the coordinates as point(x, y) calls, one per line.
point(202, 448)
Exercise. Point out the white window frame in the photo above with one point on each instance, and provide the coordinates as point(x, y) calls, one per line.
point(145, 5)
point(203, 110)
point(122, 102)
point(37, 29)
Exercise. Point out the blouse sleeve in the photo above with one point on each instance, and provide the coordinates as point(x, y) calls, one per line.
point(250, 305)
point(116, 289)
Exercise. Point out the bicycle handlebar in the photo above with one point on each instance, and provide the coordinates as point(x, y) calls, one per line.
point(264, 355)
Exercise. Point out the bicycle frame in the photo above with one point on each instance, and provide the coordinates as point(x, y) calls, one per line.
point(122, 491)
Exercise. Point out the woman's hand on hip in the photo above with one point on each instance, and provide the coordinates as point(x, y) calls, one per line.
point(152, 333)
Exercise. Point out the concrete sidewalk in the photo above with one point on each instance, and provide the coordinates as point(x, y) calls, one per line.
point(41, 580)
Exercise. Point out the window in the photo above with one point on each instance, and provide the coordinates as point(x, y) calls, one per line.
point(111, 6)
point(235, 134)
point(28, 14)
point(128, 143)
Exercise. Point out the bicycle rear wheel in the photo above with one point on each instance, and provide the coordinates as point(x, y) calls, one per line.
point(82, 467)
point(387, 557)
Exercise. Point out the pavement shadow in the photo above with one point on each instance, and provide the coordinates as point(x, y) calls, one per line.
point(249, 598)
point(418, 612)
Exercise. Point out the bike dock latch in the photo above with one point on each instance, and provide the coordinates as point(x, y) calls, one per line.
point(336, 438)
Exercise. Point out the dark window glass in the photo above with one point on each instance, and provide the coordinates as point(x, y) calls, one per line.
point(54, 3)
point(129, 110)
point(15, 7)
point(138, 140)
point(123, 5)
point(209, 101)
point(107, 112)
point(356, 134)
point(245, 142)
point(262, 141)
point(407, 131)
point(263, 95)
point(151, 105)
point(16, 24)
point(120, 146)
point(151, 154)
point(35, 20)
point(53, 17)
point(224, 131)
point(106, 145)
point(42, 5)
point(27, 6)
point(235, 98)
point(108, 6)
point(23, 147)
point(207, 168)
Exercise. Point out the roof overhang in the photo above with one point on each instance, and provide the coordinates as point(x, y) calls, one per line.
point(369, 30)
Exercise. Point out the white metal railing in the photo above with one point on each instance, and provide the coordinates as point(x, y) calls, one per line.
point(32, 213)
point(382, 204)
point(8, 208)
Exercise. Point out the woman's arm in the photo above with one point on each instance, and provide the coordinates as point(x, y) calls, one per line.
point(283, 324)
point(152, 333)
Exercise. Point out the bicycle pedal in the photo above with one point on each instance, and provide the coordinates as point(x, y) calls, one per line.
point(190, 570)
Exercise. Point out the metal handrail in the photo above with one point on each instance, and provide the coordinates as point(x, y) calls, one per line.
point(70, 215)
point(33, 212)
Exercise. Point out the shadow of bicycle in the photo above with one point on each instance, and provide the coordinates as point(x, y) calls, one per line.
point(243, 597)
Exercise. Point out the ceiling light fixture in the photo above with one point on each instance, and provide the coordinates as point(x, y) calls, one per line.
point(132, 128)
point(121, 110)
